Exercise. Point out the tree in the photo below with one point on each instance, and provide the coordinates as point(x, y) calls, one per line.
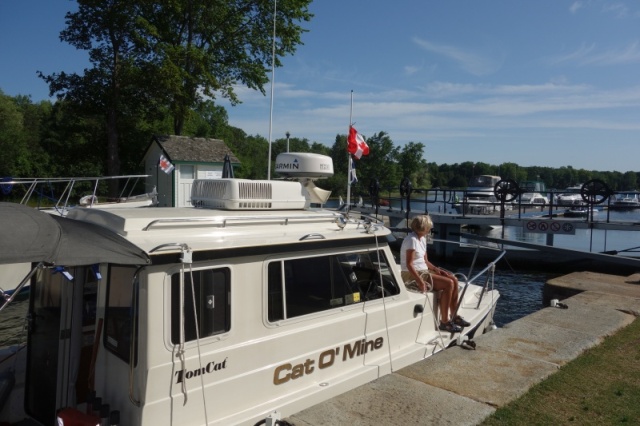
point(202, 48)
point(149, 58)
point(412, 164)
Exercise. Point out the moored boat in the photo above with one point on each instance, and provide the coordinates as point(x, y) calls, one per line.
point(178, 311)
point(534, 193)
point(570, 196)
point(480, 198)
point(626, 201)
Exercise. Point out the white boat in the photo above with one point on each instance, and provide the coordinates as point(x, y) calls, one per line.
point(480, 198)
point(626, 201)
point(247, 308)
point(578, 211)
point(533, 193)
point(570, 196)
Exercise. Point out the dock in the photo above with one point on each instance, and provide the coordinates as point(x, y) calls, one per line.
point(464, 387)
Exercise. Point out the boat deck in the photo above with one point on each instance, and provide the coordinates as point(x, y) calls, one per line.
point(463, 387)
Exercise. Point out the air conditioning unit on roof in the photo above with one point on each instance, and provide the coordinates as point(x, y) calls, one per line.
point(243, 194)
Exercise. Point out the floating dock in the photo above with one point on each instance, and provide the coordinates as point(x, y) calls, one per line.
point(464, 387)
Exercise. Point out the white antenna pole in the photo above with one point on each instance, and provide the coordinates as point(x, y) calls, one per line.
point(349, 156)
point(273, 80)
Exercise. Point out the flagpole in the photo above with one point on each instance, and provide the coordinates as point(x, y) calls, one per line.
point(349, 155)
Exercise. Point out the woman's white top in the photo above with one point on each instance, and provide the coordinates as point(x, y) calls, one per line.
point(419, 247)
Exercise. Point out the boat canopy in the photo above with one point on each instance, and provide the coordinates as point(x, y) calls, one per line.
point(30, 235)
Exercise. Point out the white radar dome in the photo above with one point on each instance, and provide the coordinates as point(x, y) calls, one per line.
point(304, 164)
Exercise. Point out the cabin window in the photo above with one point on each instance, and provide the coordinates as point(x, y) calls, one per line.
point(211, 298)
point(314, 284)
point(120, 313)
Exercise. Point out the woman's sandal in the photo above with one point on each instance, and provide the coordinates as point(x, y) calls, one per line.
point(458, 320)
point(450, 327)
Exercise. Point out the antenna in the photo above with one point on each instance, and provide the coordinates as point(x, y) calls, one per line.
point(273, 78)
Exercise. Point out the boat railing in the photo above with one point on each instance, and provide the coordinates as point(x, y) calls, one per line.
point(321, 216)
point(225, 221)
point(444, 200)
point(61, 202)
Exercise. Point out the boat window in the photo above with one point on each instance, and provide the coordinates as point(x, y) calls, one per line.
point(212, 304)
point(119, 315)
point(314, 284)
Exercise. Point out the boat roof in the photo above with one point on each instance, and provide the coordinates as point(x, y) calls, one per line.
point(213, 229)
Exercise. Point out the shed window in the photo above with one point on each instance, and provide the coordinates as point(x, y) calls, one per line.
point(187, 171)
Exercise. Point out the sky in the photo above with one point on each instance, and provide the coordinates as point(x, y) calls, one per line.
point(534, 82)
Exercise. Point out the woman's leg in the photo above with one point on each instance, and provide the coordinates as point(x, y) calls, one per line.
point(454, 295)
point(444, 284)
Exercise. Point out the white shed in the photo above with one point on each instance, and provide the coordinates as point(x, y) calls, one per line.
point(184, 159)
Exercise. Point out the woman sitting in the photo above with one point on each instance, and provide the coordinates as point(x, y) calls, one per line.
point(421, 275)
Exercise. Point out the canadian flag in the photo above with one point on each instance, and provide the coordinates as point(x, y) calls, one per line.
point(356, 144)
point(165, 164)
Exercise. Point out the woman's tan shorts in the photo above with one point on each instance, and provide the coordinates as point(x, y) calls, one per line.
point(411, 283)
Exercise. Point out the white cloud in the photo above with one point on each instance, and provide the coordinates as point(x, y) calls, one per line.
point(575, 7)
point(590, 55)
point(471, 62)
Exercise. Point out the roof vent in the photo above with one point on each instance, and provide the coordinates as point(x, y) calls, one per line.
point(243, 194)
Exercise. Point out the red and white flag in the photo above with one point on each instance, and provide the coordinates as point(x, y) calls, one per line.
point(165, 164)
point(356, 144)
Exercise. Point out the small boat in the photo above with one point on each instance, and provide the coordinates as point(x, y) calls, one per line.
point(570, 196)
point(626, 201)
point(533, 193)
point(245, 308)
point(479, 197)
point(577, 211)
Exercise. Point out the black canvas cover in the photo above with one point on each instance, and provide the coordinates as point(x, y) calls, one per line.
point(29, 235)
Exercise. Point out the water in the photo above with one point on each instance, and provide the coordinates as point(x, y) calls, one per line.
point(12, 330)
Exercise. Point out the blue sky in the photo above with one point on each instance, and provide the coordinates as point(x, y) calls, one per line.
point(537, 82)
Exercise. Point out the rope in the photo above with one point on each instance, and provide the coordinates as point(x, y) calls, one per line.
point(433, 311)
point(195, 319)
point(181, 352)
point(384, 304)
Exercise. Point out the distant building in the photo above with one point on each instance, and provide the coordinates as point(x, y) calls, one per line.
point(184, 159)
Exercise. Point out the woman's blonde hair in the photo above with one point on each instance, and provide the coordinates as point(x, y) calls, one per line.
point(421, 223)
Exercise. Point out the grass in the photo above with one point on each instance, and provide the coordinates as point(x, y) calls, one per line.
point(600, 387)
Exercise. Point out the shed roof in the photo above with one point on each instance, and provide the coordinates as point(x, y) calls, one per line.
point(194, 150)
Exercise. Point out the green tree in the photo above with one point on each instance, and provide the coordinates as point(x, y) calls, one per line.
point(411, 163)
point(202, 48)
point(149, 58)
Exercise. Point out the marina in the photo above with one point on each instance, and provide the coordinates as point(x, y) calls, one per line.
point(193, 293)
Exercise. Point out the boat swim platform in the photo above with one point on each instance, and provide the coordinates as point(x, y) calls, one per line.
point(463, 387)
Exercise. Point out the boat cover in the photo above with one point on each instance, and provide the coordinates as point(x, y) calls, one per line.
point(29, 235)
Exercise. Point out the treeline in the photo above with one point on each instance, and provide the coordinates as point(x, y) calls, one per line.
point(53, 139)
